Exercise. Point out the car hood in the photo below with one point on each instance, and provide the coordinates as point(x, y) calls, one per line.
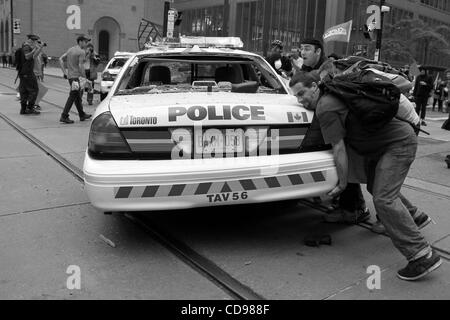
point(207, 109)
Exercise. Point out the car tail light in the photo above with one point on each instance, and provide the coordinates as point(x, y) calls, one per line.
point(105, 138)
point(108, 76)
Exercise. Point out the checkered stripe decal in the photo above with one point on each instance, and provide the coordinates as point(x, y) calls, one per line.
point(196, 189)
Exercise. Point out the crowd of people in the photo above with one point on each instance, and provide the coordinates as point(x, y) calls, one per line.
point(78, 64)
point(379, 159)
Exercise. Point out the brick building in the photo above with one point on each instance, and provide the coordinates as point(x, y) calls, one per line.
point(112, 24)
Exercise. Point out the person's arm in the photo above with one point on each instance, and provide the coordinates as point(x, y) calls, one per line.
point(61, 64)
point(341, 161)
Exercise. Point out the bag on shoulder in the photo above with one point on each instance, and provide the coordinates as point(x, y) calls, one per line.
point(19, 58)
point(372, 99)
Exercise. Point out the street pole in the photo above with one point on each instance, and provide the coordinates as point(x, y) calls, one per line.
point(166, 17)
point(380, 32)
point(12, 25)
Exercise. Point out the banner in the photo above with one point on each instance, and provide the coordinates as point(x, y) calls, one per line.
point(340, 32)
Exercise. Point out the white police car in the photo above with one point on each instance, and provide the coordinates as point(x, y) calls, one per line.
point(111, 71)
point(202, 123)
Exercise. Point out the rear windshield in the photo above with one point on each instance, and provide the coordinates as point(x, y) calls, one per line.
point(148, 75)
point(117, 63)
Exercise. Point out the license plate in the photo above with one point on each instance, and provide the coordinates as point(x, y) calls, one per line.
point(219, 141)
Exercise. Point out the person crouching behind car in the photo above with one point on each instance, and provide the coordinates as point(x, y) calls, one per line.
point(388, 154)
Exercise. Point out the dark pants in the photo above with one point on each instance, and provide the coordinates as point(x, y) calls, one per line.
point(90, 93)
point(421, 106)
point(74, 97)
point(386, 174)
point(352, 198)
point(440, 104)
point(28, 89)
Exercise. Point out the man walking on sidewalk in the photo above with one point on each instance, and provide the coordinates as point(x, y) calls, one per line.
point(75, 58)
point(422, 90)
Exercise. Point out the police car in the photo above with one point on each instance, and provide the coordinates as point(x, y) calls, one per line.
point(202, 123)
point(111, 71)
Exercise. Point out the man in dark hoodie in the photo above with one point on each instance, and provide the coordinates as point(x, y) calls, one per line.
point(422, 91)
point(277, 60)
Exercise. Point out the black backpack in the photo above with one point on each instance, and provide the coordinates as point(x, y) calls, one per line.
point(19, 58)
point(372, 99)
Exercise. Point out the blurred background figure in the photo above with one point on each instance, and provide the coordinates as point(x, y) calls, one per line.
point(296, 60)
point(438, 96)
point(278, 61)
point(90, 67)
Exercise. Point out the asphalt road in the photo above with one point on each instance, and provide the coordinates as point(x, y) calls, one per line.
point(47, 225)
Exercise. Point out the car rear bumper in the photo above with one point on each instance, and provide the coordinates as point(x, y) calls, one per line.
point(132, 185)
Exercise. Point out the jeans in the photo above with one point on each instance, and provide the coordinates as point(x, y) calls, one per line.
point(385, 176)
point(421, 106)
point(440, 104)
point(74, 96)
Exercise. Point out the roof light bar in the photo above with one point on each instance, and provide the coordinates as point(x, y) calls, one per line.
point(202, 42)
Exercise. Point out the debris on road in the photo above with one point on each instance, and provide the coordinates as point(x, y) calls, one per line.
point(109, 242)
point(248, 263)
point(316, 240)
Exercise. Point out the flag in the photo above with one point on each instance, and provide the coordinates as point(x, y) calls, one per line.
point(341, 32)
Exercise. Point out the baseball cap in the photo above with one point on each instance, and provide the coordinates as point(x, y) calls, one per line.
point(33, 37)
point(83, 38)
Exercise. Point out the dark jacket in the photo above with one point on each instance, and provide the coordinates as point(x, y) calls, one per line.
point(316, 67)
point(423, 90)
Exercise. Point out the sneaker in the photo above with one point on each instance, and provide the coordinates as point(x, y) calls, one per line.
point(421, 267)
point(66, 120)
point(378, 227)
point(32, 112)
point(85, 117)
point(345, 216)
point(421, 221)
point(424, 123)
point(37, 107)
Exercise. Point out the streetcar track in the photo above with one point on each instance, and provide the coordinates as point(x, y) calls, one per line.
point(205, 267)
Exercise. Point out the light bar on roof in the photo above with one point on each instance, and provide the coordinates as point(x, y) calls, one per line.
point(218, 42)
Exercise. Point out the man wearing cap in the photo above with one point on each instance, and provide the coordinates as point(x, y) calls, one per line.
point(28, 87)
point(312, 53)
point(75, 73)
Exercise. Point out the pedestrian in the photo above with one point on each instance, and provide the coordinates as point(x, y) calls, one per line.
point(4, 60)
point(296, 60)
point(439, 95)
point(421, 93)
point(388, 154)
point(351, 206)
point(28, 86)
point(76, 75)
point(90, 67)
point(281, 64)
point(38, 72)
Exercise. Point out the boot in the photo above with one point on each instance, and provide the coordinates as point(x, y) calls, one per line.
point(23, 108)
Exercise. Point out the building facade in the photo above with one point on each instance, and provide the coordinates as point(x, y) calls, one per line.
point(258, 22)
point(112, 24)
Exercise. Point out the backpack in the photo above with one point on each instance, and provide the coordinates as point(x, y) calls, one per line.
point(355, 64)
point(372, 99)
point(19, 58)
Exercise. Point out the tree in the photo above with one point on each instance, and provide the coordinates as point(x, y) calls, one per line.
point(415, 40)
